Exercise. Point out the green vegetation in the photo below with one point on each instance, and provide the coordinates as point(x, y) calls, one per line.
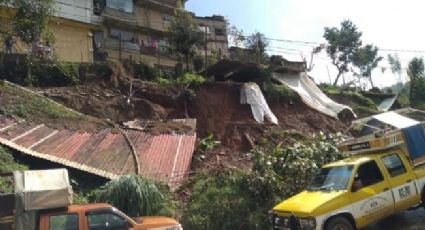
point(360, 104)
point(241, 200)
point(208, 143)
point(7, 165)
point(342, 44)
point(135, 196)
point(24, 104)
point(185, 35)
point(191, 79)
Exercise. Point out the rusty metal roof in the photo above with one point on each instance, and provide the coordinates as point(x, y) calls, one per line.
point(164, 157)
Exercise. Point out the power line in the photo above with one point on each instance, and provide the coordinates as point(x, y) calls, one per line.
point(312, 44)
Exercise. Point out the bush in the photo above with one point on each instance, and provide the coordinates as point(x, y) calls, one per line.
point(294, 166)
point(227, 201)
point(7, 165)
point(134, 195)
point(208, 143)
point(241, 200)
point(191, 79)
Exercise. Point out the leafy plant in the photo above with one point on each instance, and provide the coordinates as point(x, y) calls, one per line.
point(241, 200)
point(191, 79)
point(132, 194)
point(208, 143)
point(7, 165)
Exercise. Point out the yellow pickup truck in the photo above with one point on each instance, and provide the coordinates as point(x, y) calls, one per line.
point(383, 175)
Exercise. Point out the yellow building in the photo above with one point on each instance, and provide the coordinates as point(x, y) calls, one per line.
point(72, 29)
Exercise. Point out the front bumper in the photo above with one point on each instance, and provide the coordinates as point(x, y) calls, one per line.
point(291, 222)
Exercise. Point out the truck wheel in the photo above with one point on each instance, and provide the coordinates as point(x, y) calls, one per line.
point(339, 223)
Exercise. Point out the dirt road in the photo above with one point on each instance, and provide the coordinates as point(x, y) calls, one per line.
point(408, 220)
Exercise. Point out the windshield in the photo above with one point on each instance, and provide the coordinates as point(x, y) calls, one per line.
point(332, 178)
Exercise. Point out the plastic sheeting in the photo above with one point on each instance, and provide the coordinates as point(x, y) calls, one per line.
point(43, 189)
point(396, 120)
point(251, 94)
point(415, 140)
point(387, 103)
point(311, 94)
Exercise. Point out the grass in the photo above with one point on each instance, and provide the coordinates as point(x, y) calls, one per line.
point(7, 165)
point(18, 102)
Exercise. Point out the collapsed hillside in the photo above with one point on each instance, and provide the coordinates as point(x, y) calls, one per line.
point(216, 106)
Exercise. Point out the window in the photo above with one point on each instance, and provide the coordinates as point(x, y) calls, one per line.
point(123, 5)
point(125, 35)
point(369, 174)
point(63, 222)
point(202, 28)
point(219, 32)
point(394, 165)
point(106, 220)
point(332, 178)
point(167, 18)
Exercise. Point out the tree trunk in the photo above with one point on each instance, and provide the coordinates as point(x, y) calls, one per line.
point(371, 82)
point(337, 78)
point(187, 62)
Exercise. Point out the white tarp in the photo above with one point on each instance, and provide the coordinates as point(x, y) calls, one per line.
point(251, 94)
point(311, 94)
point(387, 103)
point(43, 189)
point(396, 120)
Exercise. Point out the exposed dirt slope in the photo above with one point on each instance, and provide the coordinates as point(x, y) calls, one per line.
point(216, 107)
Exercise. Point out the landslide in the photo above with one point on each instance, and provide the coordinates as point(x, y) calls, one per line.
point(216, 106)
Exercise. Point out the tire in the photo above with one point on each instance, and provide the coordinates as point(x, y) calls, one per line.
point(339, 223)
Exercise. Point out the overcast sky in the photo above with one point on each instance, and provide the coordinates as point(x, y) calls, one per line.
point(390, 24)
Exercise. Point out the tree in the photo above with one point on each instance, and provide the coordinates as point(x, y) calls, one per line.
point(366, 59)
point(395, 67)
point(415, 71)
point(133, 195)
point(342, 44)
point(257, 43)
point(185, 35)
point(32, 18)
point(235, 35)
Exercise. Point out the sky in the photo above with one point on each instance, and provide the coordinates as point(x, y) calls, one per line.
point(390, 25)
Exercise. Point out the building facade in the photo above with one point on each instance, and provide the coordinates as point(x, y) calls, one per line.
point(72, 29)
point(136, 30)
point(215, 28)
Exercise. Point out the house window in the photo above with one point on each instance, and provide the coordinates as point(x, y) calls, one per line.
point(123, 5)
point(202, 28)
point(219, 32)
point(167, 18)
point(125, 35)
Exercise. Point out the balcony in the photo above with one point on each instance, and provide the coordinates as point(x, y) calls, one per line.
point(131, 47)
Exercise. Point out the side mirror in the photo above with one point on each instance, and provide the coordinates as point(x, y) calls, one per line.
point(357, 184)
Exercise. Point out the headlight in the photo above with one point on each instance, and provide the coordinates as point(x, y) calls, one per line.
point(279, 221)
point(307, 223)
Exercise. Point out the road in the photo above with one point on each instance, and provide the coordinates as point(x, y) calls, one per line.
point(408, 220)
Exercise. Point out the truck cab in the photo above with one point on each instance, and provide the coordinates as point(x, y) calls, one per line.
point(100, 217)
point(379, 178)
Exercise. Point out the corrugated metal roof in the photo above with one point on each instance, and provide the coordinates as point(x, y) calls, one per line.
point(164, 157)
